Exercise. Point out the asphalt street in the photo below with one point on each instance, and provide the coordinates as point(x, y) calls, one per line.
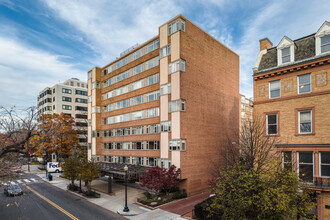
point(44, 201)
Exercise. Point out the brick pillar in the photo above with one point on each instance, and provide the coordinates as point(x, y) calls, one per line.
point(316, 164)
point(294, 160)
point(319, 204)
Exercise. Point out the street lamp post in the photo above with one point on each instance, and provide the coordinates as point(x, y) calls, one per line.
point(126, 209)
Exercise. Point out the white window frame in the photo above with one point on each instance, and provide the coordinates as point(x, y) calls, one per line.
point(285, 43)
point(310, 110)
point(305, 163)
point(276, 123)
point(324, 44)
point(283, 158)
point(286, 55)
point(310, 83)
point(320, 163)
point(270, 90)
point(166, 87)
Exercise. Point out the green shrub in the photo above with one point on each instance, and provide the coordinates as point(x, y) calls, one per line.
point(179, 195)
point(147, 195)
point(201, 212)
point(174, 189)
point(73, 187)
point(91, 193)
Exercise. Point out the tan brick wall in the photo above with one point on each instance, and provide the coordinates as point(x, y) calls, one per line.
point(288, 118)
point(265, 44)
point(325, 201)
point(210, 87)
point(320, 82)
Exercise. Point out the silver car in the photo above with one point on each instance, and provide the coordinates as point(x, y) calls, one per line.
point(13, 190)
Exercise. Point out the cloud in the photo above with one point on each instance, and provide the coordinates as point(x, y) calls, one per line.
point(25, 71)
point(274, 20)
point(109, 27)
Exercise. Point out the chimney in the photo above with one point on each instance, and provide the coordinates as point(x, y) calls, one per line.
point(265, 43)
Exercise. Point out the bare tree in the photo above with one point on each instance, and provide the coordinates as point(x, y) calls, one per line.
point(16, 127)
point(257, 148)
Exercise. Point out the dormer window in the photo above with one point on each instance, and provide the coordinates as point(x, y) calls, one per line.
point(286, 55)
point(325, 44)
point(285, 51)
point(322, 39)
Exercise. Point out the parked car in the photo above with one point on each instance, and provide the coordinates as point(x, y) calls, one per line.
point(15, 170)
point(13, 190)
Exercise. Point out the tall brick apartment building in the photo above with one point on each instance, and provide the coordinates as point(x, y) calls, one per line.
point(292, 94)
point(171, 100)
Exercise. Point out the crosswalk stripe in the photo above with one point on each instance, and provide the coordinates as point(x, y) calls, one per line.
point(19, 181)
point(5, 184)
point(26, 180)
point(12, 182)
point(34, 180)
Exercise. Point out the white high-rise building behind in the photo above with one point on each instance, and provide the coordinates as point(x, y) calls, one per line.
point(70, 98)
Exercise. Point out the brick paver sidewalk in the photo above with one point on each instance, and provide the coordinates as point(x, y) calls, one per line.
point(185, 206)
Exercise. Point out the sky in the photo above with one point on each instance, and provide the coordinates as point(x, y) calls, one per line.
point(44, 42)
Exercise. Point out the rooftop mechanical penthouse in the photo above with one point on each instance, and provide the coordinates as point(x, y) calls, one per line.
point(171, 100)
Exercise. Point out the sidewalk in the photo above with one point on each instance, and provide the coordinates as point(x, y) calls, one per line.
point(185, 206)
point(111, 203)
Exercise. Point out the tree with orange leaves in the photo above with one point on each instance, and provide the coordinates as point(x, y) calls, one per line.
point(56, 135)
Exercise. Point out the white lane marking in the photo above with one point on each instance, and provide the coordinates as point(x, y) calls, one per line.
point(34, 180)
point(12, 183)
point(26, 180)
point(19, 181)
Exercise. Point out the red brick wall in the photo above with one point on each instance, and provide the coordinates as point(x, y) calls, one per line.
point(210, 87)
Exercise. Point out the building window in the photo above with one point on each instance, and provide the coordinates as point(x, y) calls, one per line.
point(165, 89)
point(287, 160)
point(165, 51)
point(304, 83)
point(305, 121)
point(325, 164)
point(81, 100)
point(176, 66)
point(272, 124)
point(176, 26)
point(286, 55)
point(67, 107)
point(165, 126)
point(66, 99)
point(325, 44)
point(89, 75)
point(177, 105)
point(71, 83)
point(64, 90)
point(95, 109)
point(53, 90)
point(275, 89)
point(81, 108)
point(306, 166)
point(177, 145)
point(80, 92)
point(90, 98)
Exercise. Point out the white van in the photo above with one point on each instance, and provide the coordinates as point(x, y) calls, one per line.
point(54, 167)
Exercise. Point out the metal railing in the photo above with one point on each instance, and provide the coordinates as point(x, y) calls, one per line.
point(321, 182)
